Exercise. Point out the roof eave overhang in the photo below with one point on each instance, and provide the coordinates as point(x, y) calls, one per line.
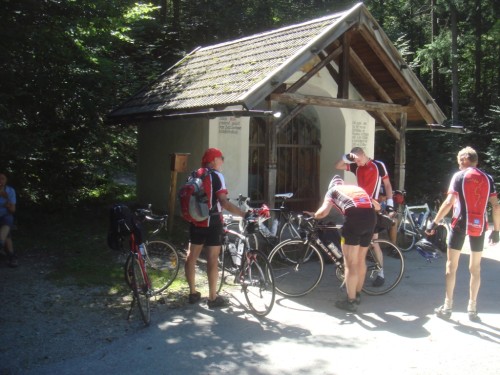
point(259, 92)
point(209, 114)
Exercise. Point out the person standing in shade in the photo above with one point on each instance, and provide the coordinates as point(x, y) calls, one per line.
point(370, 175)
point(469, 193)
point(208, 233)
point(7, 210)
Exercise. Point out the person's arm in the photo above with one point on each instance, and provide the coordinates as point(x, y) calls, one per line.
point(443, 211)
point(228, 206)
point(494, 237)
point(343, 163)
point(322, 212)
point(388, 192)
point(11, 207)
point(10, 200)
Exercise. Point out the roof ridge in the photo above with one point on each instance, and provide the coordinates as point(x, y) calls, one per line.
point(266, 33)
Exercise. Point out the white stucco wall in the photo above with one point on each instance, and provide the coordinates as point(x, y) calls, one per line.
point(231, 136)
point(341, 129)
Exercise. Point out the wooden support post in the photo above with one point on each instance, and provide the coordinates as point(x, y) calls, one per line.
point(271, 160)
point(178, 163)
point(343, 87)
point(400, 154)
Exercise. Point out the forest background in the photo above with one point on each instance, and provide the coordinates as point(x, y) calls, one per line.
point(64, 64)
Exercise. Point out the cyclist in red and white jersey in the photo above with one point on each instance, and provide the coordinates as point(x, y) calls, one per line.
point(358, 210)
point(208, 234)
point(469, 193)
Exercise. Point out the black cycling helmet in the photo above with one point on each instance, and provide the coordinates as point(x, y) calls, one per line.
point(427, 249)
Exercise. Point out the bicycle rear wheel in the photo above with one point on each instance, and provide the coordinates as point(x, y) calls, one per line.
point(257, 281)
point(140, 289)
point(393, 266)
point(162, 261)
point(405, 237)
point(297, 266)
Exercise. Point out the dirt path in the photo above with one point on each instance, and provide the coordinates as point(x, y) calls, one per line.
point(42, 322)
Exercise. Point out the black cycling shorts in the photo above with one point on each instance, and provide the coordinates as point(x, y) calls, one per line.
point(210, 236)
point(457, 239)
point(359, 226)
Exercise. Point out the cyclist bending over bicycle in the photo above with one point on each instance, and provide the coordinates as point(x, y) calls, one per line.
point(360, 219)
point(371, 176)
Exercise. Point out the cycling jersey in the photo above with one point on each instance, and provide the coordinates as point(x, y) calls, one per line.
point(348, 196)
point(213, 185)
point(472, 189)
point(370, 176)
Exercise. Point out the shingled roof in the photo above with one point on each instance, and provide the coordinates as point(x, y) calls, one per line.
point(243, 72)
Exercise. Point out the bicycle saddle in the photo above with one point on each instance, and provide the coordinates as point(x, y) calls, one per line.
point(284, 195)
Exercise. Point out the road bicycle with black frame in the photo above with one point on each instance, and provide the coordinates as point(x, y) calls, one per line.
point(246, 267)
point(412, 221)
point(136, 274)
point(162, 257)
point(298, 265)
point(152, 265)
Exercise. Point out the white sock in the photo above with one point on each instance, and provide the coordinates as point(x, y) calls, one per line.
point(448, 304)
point(472, 306)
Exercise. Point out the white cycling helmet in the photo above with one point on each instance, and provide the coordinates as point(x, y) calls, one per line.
point(336, 180)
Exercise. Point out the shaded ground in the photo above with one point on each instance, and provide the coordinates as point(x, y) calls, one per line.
point(49, 330)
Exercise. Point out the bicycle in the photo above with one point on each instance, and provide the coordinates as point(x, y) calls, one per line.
point(412, 222)
point(136, 274)
point(249, 267)
point(298, 265)
point(284, 226)
point(152, 265)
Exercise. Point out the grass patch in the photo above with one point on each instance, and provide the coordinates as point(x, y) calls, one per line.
point(75, 241)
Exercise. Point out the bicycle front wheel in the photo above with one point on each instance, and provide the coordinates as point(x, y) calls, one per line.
point(297, 266)
point(257, 281)
point(162, 261)
point(383, 254)
point(140, 290)
point(289, 231)
point(405, 237)
point(253, 240)
point(227, 268)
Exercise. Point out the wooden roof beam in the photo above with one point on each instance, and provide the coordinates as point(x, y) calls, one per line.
point(392, 67)
point(289, 98)
point(387, 124)
point(363, 70)
point(325, 61)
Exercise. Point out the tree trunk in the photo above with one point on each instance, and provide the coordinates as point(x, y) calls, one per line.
point(478, 56)
point(454, 64)
point(163, 11)
point(434, 71)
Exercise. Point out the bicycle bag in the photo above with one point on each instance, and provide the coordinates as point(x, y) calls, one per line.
point(193, 198)
point(120, 225)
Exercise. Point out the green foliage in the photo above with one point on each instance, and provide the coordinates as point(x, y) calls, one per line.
point(65, 64)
